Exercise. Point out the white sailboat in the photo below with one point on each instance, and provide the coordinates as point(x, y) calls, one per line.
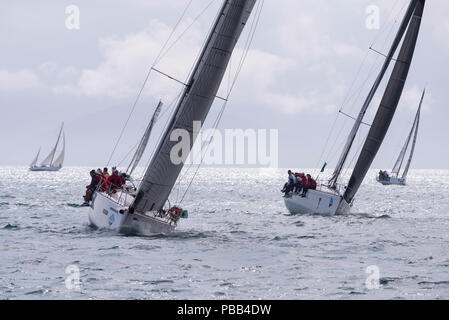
point(142, 211)
point(50, 163)
point(332, 198)
point(394, 178)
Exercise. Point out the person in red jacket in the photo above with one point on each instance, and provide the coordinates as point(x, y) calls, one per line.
point(305, 183)
point(114, 181)
point(313, 183)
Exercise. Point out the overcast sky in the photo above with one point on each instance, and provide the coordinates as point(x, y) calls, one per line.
point(307, 58)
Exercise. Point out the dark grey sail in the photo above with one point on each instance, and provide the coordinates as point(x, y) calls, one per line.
point(388, 104)
point(352, 135)
point(194, 104)
point(415, 137)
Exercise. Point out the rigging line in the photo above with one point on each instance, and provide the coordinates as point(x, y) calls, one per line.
point(373, 65)
point(144, 84)
point(353, 118)
point(248, 44)
point(162, 55)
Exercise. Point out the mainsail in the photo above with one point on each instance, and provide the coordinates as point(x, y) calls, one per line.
point(359, 120)
point(33, 164)
point(194, 104)
point(48, 161)
point(415, 127)
point(60, 159)
point(144, 142)
point(388, 104)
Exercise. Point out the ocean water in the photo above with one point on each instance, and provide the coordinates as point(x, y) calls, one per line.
point(239, 242)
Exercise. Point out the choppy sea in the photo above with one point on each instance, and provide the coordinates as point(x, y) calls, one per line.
point(239, 242)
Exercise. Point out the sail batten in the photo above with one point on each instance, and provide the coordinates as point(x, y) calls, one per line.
point(195, 103)
point(389, 104)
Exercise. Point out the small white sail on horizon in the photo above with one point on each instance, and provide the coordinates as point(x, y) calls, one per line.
point(394, 179)
point(49, 163)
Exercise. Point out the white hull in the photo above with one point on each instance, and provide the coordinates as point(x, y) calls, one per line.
point(111, 212)
point(45, 168)
point(317, 202)
point(392, 181)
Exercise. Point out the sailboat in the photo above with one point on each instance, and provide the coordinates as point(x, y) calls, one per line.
point(50, 163)
point(142, 211)
point(394, 179)
point(334, 198)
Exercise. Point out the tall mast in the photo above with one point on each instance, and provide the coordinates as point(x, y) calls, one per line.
point(416, 126)
point(194, 104)
point(388, 104)
point(338, 169)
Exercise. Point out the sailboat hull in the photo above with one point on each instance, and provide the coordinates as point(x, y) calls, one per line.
point(111, 212)
point(392, 181)
point(317, 202)
point(45, 168)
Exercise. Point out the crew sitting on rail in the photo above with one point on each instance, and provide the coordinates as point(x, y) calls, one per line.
point(298, 184)
point(308, 183)
point(113, 182)
point(288, 187)
point(106, 173)
point(383, 175)
point(95, 180)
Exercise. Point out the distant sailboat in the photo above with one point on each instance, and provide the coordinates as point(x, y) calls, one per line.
point(142, 212)
point(330, 199)
point(394, 179)
point(50, 163)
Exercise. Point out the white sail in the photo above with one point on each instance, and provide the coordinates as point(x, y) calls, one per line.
point(144, 142)
point(415, 127)
point(60, 159)
point(48, 161)
point(33, 164)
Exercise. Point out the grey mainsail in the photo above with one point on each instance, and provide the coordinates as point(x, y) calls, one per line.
point(194, 104)
point(144, 142)
point(388, 104)
point(415, 137)
point(48, 161)
point(352, 135)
